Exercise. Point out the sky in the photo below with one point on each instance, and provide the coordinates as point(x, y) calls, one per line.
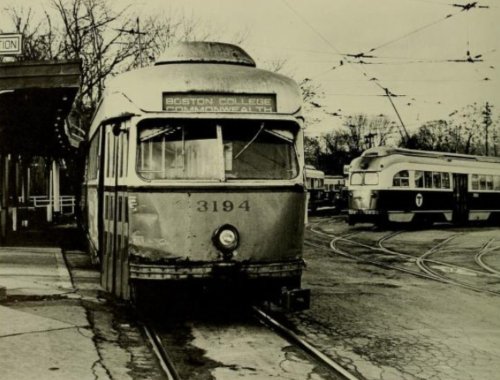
point(413, 44)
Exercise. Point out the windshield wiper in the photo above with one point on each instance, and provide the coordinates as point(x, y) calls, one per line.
point(158, 133)
point(250, 142)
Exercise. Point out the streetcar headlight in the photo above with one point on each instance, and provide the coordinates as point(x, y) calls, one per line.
point(226, 238)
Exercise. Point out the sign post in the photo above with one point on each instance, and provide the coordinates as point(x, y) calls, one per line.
point(11, 44)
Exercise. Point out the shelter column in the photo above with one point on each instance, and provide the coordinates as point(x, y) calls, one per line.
point(4, 194)
point(56, 186)
point(50, 194)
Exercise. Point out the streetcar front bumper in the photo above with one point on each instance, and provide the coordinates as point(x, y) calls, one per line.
point(215, 270)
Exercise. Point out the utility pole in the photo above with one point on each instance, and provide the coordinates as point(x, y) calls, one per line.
point(137, 32)
point(140, 42)
point(487, 123)
point(369, 139)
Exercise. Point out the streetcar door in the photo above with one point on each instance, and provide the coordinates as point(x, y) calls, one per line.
point(92, 196)
point(107, 208)
point(460, 209)
point(115, 217)
point(121, 270)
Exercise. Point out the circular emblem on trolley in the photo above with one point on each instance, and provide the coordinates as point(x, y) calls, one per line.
point(419, 199)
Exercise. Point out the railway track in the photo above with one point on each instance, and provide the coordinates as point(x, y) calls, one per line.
point(478, 258)
point(378, 255)
point(318, 356)
point(160, 352)
point(264, 320)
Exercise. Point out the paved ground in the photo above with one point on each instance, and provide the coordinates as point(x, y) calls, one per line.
point(60, 326)
point(379, 322)
point(385, 324)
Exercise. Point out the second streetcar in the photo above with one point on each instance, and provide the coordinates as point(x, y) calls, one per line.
point(404, 185)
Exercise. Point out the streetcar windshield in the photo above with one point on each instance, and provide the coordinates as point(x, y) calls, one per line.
point(215, 150)
point(176, 151)
point(364, 178)
point(258, 151)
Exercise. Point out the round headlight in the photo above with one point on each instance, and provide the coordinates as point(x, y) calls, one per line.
point(226, 238)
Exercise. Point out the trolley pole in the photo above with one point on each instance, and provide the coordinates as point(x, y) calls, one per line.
point(406, 136)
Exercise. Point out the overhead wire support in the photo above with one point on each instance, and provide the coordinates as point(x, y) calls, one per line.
point(138, 33)
point(357, 56)
point(468, 6)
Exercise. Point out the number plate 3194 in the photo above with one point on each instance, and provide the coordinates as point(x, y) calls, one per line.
point(222, 206)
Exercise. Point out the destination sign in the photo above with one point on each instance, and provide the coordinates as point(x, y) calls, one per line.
point(11, 44)
point(236, 103)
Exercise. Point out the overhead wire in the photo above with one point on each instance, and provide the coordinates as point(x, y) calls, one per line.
point(385, 89)
point(430, 2)
point(414, 31)
point(350, 59)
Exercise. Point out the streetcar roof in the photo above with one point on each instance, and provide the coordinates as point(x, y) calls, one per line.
point(142, 91)
point(382, 157)
point(313, 172)
point(387, 151)
point(334, 179)
point(206, 52)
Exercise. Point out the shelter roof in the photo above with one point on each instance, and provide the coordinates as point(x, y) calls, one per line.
point(35, 99)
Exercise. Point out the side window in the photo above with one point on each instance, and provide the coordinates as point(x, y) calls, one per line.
point(107, 155)
point(496, 182)
point(112, 155)
point(93, 157)
point(419, 179)
point(436, 180)
point(119, 147)
point(124, 163)
point(111, 146)
point(489, 182)
point(474, 182)
point(401, 179)
point(445, 180)
point(122, 146)
point(428, 180)
point(482, 182)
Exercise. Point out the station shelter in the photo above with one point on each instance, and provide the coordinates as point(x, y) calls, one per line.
point(36, 143)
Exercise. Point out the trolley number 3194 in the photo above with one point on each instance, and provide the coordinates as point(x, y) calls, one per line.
point(224, 206)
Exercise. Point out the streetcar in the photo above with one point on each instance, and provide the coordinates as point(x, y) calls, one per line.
point(403, 185)
point(195, 175)
point(335, 191)
point(315, 183)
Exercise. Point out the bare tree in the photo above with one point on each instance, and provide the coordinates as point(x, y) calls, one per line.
point(107, 40)
point(38, 37)
point(471, 130)
point(337, 148)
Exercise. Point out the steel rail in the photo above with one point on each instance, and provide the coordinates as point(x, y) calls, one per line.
point(293, 338)
point(421, 261)
point(478, 258)
point(490, 272)
point(164, 359)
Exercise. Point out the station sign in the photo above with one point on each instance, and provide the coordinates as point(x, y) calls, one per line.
point(235, 103)
point(11, 44)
